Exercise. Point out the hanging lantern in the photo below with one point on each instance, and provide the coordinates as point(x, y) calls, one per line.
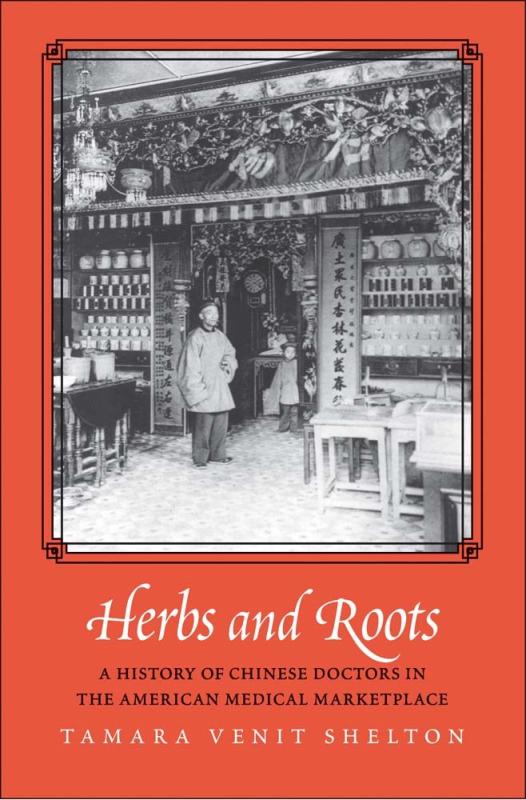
point(136, 182)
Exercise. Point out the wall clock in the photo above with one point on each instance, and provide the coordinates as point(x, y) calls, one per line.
point(254, 282)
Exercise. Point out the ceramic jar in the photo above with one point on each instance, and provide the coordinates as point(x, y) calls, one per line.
point(137, 259)
point(114, 331)
point(125, 331)
point(391, 248)
point(401, 271)
point(104, 331)
point(135, 332)
point(384, 272)
point(103, 260)
point(421, 270)
point(418, 247)
point(145, 331)
point(369, 250)
point(86, 262)
point(119, 260)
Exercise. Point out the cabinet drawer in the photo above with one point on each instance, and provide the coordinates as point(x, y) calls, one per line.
point(432, 367)
point(388, 367)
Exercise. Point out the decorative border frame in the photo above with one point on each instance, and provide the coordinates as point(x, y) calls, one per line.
point(56, 549)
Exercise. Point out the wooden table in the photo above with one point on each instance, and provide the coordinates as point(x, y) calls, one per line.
point(87, 443)
point(351, 423)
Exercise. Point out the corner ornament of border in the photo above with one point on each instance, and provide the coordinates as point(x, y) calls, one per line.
point(470, 52)
point(470, 551)
point(54, 551)
point(54, 52)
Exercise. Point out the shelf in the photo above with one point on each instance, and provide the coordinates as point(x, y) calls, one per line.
point(381, 262)
point(416, 366)
point(110, 312)
point(113, 271)
point(409, 309)
point(405, 293)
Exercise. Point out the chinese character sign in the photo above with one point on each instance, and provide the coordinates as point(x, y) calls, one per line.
point(339, 327)
point(168, 338)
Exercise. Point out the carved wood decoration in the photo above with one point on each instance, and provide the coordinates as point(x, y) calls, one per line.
point(237, 244)
point(405, 125)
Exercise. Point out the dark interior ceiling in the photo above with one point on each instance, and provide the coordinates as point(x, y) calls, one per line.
point(119, 69)
point(114, 70)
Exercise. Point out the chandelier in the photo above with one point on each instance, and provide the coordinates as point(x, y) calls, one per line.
point(90, 168)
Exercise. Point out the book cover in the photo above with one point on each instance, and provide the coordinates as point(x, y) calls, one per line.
point(324, 596)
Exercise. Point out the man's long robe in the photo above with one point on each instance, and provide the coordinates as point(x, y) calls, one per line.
point(200, 377)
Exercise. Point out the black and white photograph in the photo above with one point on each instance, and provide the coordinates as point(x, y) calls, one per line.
point(262, 301)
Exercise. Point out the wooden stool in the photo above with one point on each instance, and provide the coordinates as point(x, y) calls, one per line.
point(309, 461)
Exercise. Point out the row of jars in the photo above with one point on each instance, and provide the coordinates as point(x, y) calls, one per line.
point(436, 348)
point(118, 280)
point(116, 343)
point(116, 259)
point(442, 284)
point(406, 299)
point(417, 247)
point(411, 326)
point(119, 303)
point(122, 320)
point(114, 326)
point(135, 289)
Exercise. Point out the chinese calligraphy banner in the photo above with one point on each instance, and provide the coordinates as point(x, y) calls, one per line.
point(168, 338)
point(339, 323)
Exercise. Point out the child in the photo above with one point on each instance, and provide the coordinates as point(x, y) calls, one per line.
point(285, 388)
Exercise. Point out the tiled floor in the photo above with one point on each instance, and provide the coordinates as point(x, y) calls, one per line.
point(162, 501)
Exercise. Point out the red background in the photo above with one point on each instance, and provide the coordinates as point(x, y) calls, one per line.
point(478, 654)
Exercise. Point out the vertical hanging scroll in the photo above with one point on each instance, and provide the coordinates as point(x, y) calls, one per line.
point(339, 317)
point(168, 337)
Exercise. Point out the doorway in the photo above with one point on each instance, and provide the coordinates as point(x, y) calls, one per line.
point(257, 302)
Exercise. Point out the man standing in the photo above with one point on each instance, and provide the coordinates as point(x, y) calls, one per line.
point(206, 366)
